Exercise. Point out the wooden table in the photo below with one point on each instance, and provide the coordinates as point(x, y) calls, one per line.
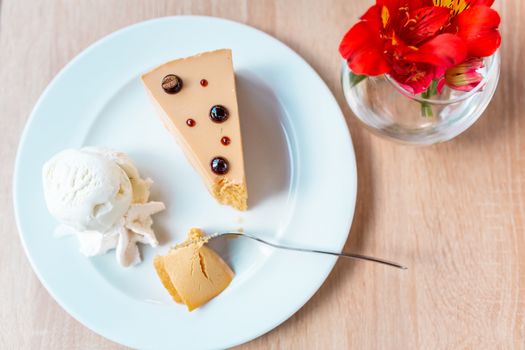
point(454, 213)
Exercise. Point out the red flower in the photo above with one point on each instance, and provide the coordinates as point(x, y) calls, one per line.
point(416, 41)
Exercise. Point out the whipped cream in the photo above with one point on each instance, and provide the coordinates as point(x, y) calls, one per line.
point(97, 195)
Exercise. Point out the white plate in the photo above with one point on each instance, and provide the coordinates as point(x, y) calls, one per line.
point(300, 170)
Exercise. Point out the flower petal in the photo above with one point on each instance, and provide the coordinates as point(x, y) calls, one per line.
point(440, 85)
point(478, 26)
point(444, 51)
point(482, 3)
point(414, 80)
point(363, 49)
point(415, 4)
point(424, 23)
point(373, 17)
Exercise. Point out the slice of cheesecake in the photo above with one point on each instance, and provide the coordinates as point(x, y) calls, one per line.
point(193, 273)
point(197, 103)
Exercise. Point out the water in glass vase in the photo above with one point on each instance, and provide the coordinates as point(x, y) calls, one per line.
point(389, 110)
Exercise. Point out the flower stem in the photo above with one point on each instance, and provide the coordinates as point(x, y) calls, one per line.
point(426, 108)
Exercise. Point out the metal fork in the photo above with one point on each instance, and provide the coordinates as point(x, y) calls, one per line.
point(305, 250)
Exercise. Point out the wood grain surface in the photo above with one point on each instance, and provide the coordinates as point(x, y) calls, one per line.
point(454, 213)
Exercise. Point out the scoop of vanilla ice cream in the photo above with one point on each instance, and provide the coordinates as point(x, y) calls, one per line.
point(97, 194)
point(86, 191)
point(140, 187)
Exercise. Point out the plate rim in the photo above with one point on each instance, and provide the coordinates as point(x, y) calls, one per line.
point(93, 46)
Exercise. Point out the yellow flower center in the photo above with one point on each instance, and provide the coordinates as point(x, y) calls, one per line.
point(457, 6)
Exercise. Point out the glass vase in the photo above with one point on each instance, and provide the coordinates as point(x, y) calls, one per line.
point(391, 111)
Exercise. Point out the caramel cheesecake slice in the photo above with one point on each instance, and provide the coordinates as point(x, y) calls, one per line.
point(192, 273)
point(197, 103)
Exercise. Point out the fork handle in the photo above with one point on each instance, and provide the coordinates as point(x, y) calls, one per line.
point(344, 255)
point(316, 251)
